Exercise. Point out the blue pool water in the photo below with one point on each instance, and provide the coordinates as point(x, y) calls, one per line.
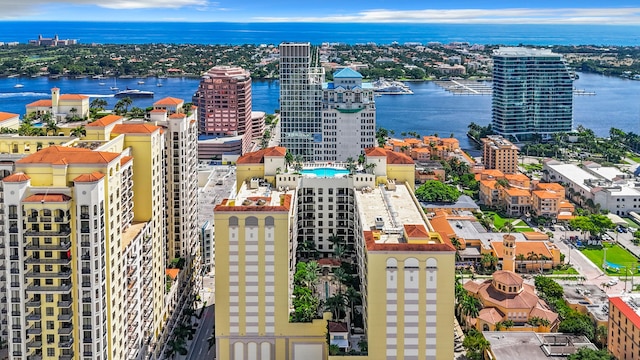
point(325, 172)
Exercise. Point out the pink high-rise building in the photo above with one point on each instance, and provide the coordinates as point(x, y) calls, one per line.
point(223, 99)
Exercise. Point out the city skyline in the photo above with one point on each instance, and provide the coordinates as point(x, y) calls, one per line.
point(621, 12)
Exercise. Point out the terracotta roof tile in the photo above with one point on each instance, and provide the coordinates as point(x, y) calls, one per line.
point(47, 198)
point(171, 101)
point(337, 327)
point(257, 157)
point(375, 151)
point(73, 97)
point(158, 111)
point(547, 194)
point(54, 154)
point(40, 103)
point(508, 278)
point(93, 177)
point(490, 315)
point(177, 116)
point(392, 156)
point(17, 177)
point(6, 116)
point(415, 231)
point(107, 120)
point(523, 248)
point(512, 191)
point(550, 186)
point(134, 129)
point(125, 159)
point(626, 310)
point(172, 273)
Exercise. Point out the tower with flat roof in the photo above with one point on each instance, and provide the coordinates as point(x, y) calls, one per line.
point(300, 101)
point(532, 93)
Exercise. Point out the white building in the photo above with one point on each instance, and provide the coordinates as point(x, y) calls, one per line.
point(348, 116)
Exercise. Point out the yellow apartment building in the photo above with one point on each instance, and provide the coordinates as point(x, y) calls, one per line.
point(406, 268)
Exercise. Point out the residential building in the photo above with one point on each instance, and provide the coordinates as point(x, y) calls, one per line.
point(348, 117)
point(54, 41)
point(223, 99)
point(300, 101)
point(86, 217)
point(9, 120)
point(500, 154)
point(532, 93)
point(259, 236)
point(624, 326)
point(61, 106)
point(506, 297)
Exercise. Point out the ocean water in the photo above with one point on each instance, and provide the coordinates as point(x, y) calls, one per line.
point(316, 33)
point(430, 110)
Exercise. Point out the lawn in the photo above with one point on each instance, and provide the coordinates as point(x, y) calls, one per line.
point(634, 157)
point(568, 271)
point(498, 221)
point(631, 222)
point(615, 255)
point(524, 229)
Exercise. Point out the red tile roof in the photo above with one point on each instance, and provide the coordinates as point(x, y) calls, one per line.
point(73, 97)
point(257, 157)
point(93, 177)
point(392, 156)
point(47, 198)
point(177, 116)
point(68, 155)
point(6, 116)
point(158, 111)
point(626, 310)
point(107, 120)
point(373, 246)
point(40, 103)
point(169, 101)
point(134, 129)
point(125, 159)
point(17, 177)
point(285, 201)
point(415, 231)
point(337, 327)
point(172, 273)
point(375, 151)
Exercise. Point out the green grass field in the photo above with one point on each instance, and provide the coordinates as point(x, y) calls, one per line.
point(615, 255)
point(634, 157)
point(524, 229)
point(569, 271)
point(498, 221)
point(631, 222)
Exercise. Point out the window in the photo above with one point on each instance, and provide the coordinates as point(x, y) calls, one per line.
point(49, 298)
point(49, 311)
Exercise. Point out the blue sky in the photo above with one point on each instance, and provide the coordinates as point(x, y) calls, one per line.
point(454, 11)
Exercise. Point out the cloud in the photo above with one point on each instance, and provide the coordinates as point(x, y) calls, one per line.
point(611, 16)
point(22, 8)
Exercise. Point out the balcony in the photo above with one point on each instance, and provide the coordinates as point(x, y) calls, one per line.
point(34, 331)
point(65, 331)
point(85, 244)
point(66, 345)
point(33, 303)
point(32, 316)
point(64, 288)
point(47, 261)
point(34, 344)
point(65, 317)
point(48, 275)
point(64, 303)
point(34, 357)
point(61, 232)
point(86, 270)
point(60, 247)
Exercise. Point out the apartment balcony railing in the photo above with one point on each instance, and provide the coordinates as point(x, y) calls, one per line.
point(47, 261)
point(65, 288)
point(65, 317)
point(48, 275)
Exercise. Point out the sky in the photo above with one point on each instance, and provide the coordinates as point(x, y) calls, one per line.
point(612, 12)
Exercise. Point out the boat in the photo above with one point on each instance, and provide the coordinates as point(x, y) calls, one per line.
point(101, 84)
point(134, 93)
point(159, 84)
point(141, 82)
point(18, 86)
point(391, 87)
point(115, 85)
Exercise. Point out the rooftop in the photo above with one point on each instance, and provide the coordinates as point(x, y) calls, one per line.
point(629, 305)
point(523, 51)
point(533, 346)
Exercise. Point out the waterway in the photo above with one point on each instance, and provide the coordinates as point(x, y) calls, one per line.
point(429, 110)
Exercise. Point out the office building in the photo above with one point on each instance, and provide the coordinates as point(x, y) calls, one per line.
point(624, 326)
point(500, 154)
point(532, 93)
point(407, 310)
point(300, 101)
point(223, 99)
point(348, 116)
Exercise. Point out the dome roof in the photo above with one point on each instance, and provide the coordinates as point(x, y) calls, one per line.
point(508, 278)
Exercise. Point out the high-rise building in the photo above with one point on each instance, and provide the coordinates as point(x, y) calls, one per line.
point(624, 325)
point(223, 99)
point(85, 247)
point(532, 93)
point(500, 154)
point(405, 267)
point(348, 116)
point(300, 101)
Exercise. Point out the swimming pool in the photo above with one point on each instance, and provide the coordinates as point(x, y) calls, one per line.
point(325, 172)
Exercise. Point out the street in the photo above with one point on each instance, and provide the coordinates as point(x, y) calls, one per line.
point(200, 346)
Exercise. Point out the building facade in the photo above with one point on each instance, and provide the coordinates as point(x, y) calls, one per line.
point(532, 93)
point(348, 117)
point(500, 154)
point(260, 235)
point(223, 99)
point(624, 327)
point(300, 101)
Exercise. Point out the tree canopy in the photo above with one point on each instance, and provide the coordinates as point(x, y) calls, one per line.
point(593, 224)
point(435, 191)
point(590, 354)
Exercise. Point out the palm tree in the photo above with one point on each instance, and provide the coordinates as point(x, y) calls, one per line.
point(126, 102)
point(98, 103)
point(521, 258)
point(470, 307)
point(78, 131)
point(508, 227)
point(601, 335)
point(337, 305)
point(351, 165)
point(288, 158)
point(51, 127)
point(353, 298)
point(343, 278)
point(370, 167)
point(176, 346)
point(488, 260)
point(531, 255)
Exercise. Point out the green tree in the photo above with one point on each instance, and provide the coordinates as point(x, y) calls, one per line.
point(78, 131)
point(337, 305)
point(475, 344)
point(435, 191)
point(590, 354)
